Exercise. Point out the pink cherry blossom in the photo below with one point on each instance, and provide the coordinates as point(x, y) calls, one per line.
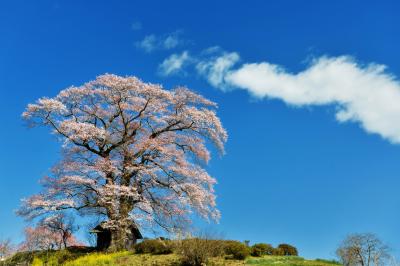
point(131, 151)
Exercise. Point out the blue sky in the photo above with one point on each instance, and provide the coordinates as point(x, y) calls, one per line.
point(296, 169)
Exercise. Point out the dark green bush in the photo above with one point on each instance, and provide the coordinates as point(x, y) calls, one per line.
point(286, 250)
point(20, 258)
point(51, 257)
point(261, 249)
point(237, 249)
point(154, 246)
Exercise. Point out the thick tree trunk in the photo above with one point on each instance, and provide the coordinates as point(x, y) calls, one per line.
point(119, 238)
point(121, 233)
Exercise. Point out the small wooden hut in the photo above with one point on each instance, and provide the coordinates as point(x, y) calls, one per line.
point(104, 236)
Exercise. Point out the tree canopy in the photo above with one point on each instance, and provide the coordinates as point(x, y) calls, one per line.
point(131, 151)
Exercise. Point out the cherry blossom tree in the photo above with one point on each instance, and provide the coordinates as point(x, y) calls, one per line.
point(46, 237)
point(132, 151)
point(39, 238)
point(64, 226)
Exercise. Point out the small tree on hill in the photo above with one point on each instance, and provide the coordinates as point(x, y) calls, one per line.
point(261, 249)
point(286, 250)
point(363, 250)
point(64, 226)
point(43, 237)
point(40, 238)
point(6, 248)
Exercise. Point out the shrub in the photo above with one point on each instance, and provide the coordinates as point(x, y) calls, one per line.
point(237, 249)
point(154, 246)
point(48, 257)
point(278, 252)
point(286, 250)
point(198, 251)
point(261, 249)
point(22, 258)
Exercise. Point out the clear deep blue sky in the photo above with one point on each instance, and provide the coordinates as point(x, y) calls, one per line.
point(290, 174)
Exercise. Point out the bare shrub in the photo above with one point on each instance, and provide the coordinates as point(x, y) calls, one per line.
point(261, 249)
point(155, 247)
point(286, 250)
point(6, 248)
point(237, 250)
point(197, 251)
point(363, 249)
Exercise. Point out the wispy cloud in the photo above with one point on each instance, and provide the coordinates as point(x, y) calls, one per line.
point(136, 25)
point(215, 69)
point(174, 64)
point(153, 42)
point(211, 63)
point(171, 41)
point(362, 93)
point(148, 44)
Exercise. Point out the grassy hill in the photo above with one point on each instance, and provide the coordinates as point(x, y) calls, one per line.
point(288, 261)
point(129, 258)
point(184, 252)
point(119, 259)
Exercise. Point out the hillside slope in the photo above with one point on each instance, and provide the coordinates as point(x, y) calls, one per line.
point(128, 258)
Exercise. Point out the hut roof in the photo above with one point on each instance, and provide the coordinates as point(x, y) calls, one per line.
point(100, 228)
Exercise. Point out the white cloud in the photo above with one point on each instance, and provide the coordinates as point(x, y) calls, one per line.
point(174, 63)
point(152, 42)
point(364, 94)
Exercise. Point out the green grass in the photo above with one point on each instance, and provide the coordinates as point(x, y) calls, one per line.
point(288, 261)
point(126, 258)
